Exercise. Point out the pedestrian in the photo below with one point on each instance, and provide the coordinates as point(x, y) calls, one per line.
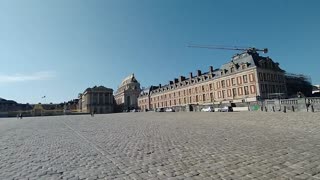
point(20, 115)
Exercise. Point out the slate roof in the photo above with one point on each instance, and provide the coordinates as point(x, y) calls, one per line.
point(128, 80)
point(98, 88)
point(251, 59)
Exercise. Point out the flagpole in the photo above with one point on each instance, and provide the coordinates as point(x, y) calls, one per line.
point(44, 97)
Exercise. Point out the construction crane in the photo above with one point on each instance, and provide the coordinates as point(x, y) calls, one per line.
point(246, 49)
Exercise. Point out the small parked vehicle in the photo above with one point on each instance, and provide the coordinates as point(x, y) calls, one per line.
point(169, 110)
point(207, 109)
point(226, 109)
point(160, 110)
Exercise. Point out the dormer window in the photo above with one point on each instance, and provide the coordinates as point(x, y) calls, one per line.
point(232, 69)
point(271, 65)
point(236, 65)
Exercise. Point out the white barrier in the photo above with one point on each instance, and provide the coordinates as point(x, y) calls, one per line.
point(240, 108)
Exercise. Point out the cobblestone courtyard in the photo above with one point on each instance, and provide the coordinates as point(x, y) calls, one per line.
point(250, 145)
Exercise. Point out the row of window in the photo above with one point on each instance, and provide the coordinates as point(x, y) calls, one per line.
point(272, 88)
point(229, 93)
point(235, 81)
point(182, 84)
point(234, 92)
point(269, 64)
point(206, 88)
point(271, 77)
point(100, 100)
point(233, 68)
point(101, 94)
point(197, 80)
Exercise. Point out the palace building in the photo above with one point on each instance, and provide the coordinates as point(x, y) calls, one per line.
point(97, 99)
point(248, 77)
point(126, 97)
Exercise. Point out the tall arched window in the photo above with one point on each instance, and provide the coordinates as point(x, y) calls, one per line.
point(128, 101)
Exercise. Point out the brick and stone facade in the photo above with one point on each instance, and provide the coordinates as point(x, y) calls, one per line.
point(144, 98)
point(246, 78)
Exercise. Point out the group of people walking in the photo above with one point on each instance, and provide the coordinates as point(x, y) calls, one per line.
point(19, 116)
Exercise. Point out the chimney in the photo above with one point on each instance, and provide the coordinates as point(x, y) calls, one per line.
point(182, 78)
point(191, 75)
point(198, 73)
point(211, 69)
point(176, 80)
point(159, 85)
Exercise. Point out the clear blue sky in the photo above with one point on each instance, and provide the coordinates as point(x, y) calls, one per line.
point(58, 48)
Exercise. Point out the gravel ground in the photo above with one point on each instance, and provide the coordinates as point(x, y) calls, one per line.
point(246, 145)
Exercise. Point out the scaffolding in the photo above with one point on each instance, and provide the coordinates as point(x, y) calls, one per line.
point(298, 85)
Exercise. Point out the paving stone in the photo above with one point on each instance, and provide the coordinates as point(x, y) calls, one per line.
point(248, 145)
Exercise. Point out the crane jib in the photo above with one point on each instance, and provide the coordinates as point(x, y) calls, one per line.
point(248, 49)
